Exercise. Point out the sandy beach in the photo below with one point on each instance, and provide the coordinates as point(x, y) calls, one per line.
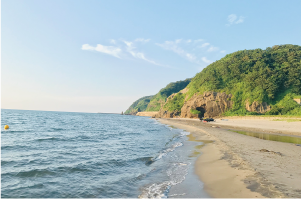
point(240, 166)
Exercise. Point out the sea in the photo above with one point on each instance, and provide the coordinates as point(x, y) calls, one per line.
point(46, 154)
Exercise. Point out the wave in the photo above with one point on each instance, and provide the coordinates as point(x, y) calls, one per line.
point(12, 131)
point(4, 162)
point(147, 160)
point(57, 129)
point(177, 174)
point(168, 150)
point(47, 138)
point(77, 168)
point(35, 173)
point(123, 163)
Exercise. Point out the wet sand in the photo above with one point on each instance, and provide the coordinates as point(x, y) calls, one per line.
point(235, 165)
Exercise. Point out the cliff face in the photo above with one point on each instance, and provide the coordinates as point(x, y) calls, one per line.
point(210, 104)
point(258, 107)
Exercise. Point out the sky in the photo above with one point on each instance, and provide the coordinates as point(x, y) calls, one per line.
point(101, 56)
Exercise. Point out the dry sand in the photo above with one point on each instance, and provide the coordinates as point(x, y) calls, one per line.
point(233, 165)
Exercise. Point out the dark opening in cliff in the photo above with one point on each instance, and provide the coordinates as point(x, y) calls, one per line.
point(202, 109)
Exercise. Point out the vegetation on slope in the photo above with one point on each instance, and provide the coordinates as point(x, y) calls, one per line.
point(272, 75)
point(139, 105)
point(175, 103)
point(160, 98)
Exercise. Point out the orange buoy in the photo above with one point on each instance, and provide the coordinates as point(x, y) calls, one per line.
point(6, 127)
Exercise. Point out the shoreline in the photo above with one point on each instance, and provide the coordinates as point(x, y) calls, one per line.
point(255, 125)
point(233, 165)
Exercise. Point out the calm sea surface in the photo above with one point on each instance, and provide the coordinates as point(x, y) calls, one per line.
point(73, 155)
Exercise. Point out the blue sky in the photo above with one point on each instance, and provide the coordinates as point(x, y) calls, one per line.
point(100, 56)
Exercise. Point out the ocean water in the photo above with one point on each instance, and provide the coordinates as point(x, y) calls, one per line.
point(88, 155)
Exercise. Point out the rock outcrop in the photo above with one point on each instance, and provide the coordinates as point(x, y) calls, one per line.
point(210, 104)
point(258, 107)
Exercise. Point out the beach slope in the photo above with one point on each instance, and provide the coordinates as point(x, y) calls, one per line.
point(236, 165)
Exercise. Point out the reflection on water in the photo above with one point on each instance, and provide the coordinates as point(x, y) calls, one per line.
point(272, 137)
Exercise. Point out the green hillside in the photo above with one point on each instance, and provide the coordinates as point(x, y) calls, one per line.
point(272, 75)
point(139, 105)
point(164, 93)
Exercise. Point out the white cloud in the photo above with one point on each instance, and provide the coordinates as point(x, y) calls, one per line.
point(240, 20)
point(110, 50)
point(188, 49)
point(198, 40)
point(142, 40)
point(233, 19)
point(212, 49)
point(178, 41)
point(116, 51)
point(87, 47)
point(222, 51)
point(139, 55)
point(113, 41)
point(207, 61)
point(204, 45)
point(173, 46)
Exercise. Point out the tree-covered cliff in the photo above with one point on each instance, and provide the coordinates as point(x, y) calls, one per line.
point(160, 98)
point(272, 75)
point(139, 105)
point(154, 102)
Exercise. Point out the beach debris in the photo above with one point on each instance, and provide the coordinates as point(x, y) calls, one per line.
point(224, 119)
point(6, 127)
point(298, 144)
point(265, 150)
point(215, 126)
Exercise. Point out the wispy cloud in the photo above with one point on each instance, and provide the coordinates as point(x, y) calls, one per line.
point(142, 40)
point(198, 40)
point(110, 50)
point(204, 45)
point(212, 49)
point(139, 55)
point(173, 46)
point(234, 19)
point(194, 51)
point(113, 41)
point(204, 59)
point(127, 46)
